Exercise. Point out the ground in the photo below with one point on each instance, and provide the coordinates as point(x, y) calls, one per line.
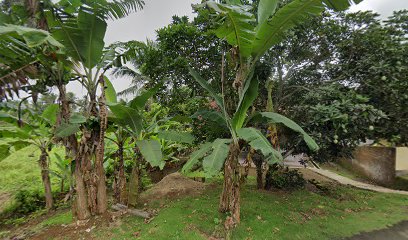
point(335, 212)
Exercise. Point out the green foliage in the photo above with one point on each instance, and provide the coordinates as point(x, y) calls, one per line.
point(213, 163)
point(250, 93)
point(277, 118)
point(110, 92)
point(285, 178)
point(196, 156)
point(140, 101)
point(258, 142)
point(66, 129)
point(339, 120)
point(33, 37)
point(237, 26)
point(151, 151)
point(50, 114)
point(27, 202)
point(127, 117)
point(194, 217)
point(181, 137)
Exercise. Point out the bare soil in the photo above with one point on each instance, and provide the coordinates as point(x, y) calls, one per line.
point(173, 185)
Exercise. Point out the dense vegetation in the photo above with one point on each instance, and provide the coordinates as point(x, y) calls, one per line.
point(263, 78)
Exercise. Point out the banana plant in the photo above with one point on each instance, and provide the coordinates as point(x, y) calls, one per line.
point(80, 26)
point(249, 37)
point(146, 136)
point(215, 154)
point(39, 133)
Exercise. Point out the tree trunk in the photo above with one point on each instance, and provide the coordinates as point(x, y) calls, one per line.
point(45, 176)
point(62, 185)
point(134, 186)
point(102, 201)
point(119, 187)
point(80, 207)
point(259, 172)
point(230, 196)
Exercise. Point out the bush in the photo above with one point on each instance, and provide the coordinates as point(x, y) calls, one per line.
point(28, 201)
point(338, 119)
point(284, 178)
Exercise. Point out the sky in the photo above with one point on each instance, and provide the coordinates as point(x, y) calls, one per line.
point(158, 13)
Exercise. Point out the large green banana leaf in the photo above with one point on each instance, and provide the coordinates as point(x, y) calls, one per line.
point(250, 93)
point(151, 151)
point(196, 156)
point(277, 118)
point(272, 31)
point(213, 163)
point(237, 27)
point(127, 117)
point(259, 142)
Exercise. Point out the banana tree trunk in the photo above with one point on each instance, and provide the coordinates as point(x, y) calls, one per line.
point(230, 196)
point(273, 132)
point(259, 171)
point(45, 176)
point(134, 186)
point(119, 186)
point(102, 201)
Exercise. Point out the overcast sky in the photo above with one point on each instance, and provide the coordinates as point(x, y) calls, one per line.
point(158, 13)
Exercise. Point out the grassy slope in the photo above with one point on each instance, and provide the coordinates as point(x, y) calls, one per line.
point(21, 171)
point(268, 215)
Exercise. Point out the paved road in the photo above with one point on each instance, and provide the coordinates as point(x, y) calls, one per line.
point(357, 184)
point(396, 232)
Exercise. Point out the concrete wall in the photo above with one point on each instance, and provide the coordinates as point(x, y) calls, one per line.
point(401, 162)
point(375, 163)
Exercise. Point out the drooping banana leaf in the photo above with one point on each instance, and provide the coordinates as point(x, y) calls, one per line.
point(127, 117)
point(266, 8)
point(259, 142)
point(277, 118)
point(213, 163)
point(196, 156)
point(110, 92)
point(66, 129)
point(151, 151)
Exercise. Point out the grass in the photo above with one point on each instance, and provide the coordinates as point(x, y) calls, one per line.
point(58, 219)
point(270, 215)
point(21, 171)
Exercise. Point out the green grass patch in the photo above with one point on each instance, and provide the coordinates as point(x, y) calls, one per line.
point(21, 171)
point(58, 219)
point(270, 215)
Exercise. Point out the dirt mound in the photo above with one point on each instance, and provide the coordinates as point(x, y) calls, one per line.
point(172, 186)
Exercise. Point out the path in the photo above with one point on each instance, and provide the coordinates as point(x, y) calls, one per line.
point(398, 231)
point(348, 181)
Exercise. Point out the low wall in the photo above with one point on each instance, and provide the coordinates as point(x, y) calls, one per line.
point(376, 163)
point(401, 162)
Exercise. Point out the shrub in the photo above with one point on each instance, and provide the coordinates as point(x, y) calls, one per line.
point(27, 201)
point(284, 178)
